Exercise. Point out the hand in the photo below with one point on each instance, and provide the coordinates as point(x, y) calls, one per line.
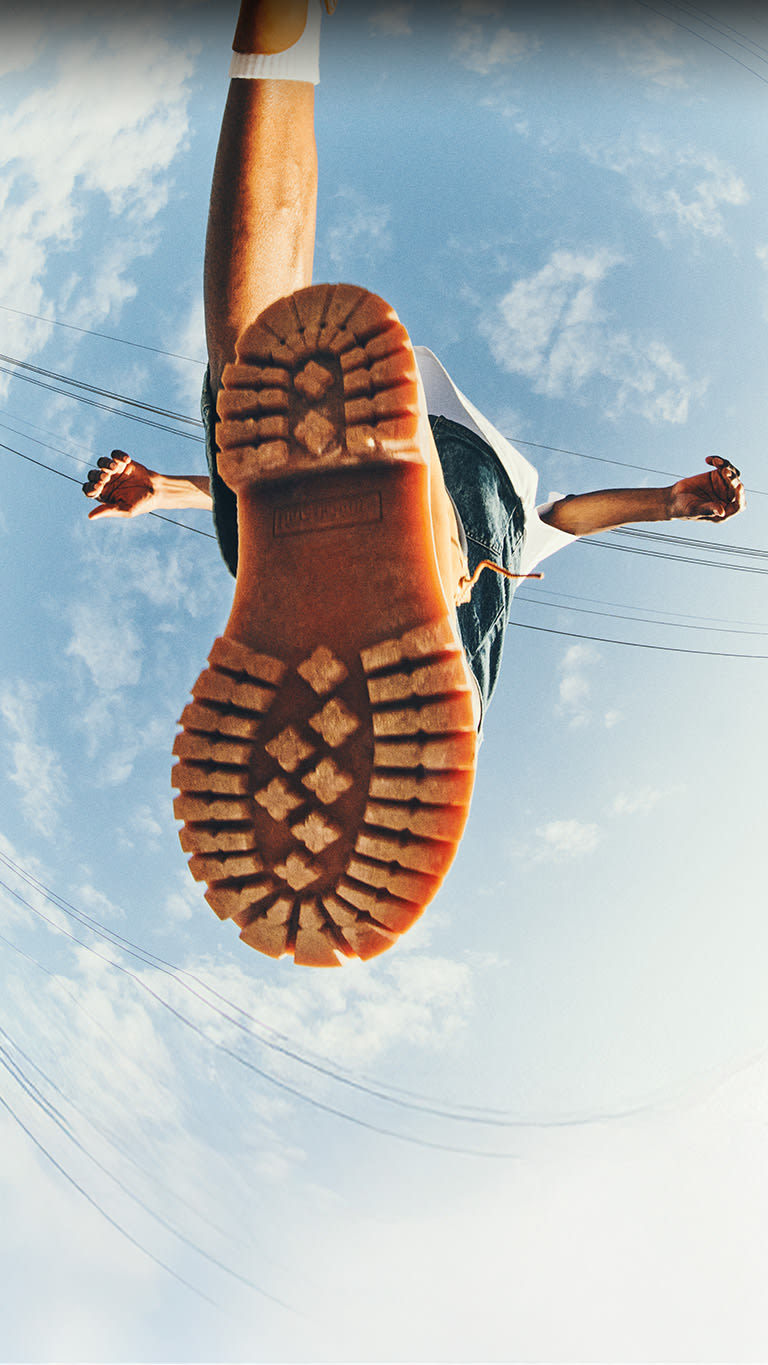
point(713, 496)
point(123, 487)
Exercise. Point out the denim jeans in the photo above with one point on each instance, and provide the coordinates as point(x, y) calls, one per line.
point(494, 523)
point(488, 507)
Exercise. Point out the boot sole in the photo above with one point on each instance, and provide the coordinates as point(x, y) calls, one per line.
point(327, 759)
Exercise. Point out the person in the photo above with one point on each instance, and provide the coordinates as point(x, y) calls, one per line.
point(362, 503)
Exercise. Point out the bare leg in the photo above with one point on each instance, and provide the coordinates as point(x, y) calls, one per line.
point(261, 226)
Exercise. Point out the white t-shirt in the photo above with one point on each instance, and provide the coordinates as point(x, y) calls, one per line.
point(444, 399)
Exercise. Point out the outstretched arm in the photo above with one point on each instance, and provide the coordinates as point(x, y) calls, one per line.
point(712, 496)
point(125, 488)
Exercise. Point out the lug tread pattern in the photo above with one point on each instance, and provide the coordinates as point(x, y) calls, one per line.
point(321, 827)
point(325, 378)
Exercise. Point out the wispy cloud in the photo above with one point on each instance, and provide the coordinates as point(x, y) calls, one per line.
point(57, 158)
point(116, 734)
point(393, 21)
point(575, 688)
point(648, 50)
point(356, 1014)
point(486, 51)
point(144, 824)
point(110, 649)
point(101, 906)
point(359, 229)
point(185, 900)
point(682, 189)
point(636, 801)
point(35, 768)
point(567, 839)
point(188, 339)
point(553, 329)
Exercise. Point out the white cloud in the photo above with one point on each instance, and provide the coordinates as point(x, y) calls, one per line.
point(108, 124)
point(508, 109)
point(186, 900)
point(117, 733)
point(100, 905)
point(110, 649)
point(680, 188)
point(568, 838)
point(355, 1014)
point(393, 21)
point(544, 317)
point(154, 563)
point(552, 328)
point(483, 52)
point(188, 339)
point(359, 231)
point(575, 689)
point(108, 286)
point(640, 800)
point(144, 823)
point(646, 51)
point(35, 769)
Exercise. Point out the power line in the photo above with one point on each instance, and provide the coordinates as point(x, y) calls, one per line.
point(719, 26)
point(621, 464)
point(87, 331)
point(69, 439)
point(641, 620)
point(664, 537)
point(630, 606)
point(93, 403)
point(700, 36)
point(78, 459)
point(104, 393)
point(177, 974)
point(685, 559)
point(517, 440)
point(40, 464)
point(56, 1117)
point(116, 1043)
point(184, 526)
point(712, 546)
point(238, 1057)
point(423, 1104)
point(600, 459)
point(660, 554)
point(636, 644)
point(97, 1206)
point(194, 421)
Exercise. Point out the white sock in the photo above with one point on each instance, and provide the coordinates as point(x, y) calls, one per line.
point(300, 62)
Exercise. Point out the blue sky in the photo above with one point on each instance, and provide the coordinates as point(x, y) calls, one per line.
point(535, 1129)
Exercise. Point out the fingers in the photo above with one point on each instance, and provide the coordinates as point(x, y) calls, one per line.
point(727, 487)
point(722, 465)
point(108, 467)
